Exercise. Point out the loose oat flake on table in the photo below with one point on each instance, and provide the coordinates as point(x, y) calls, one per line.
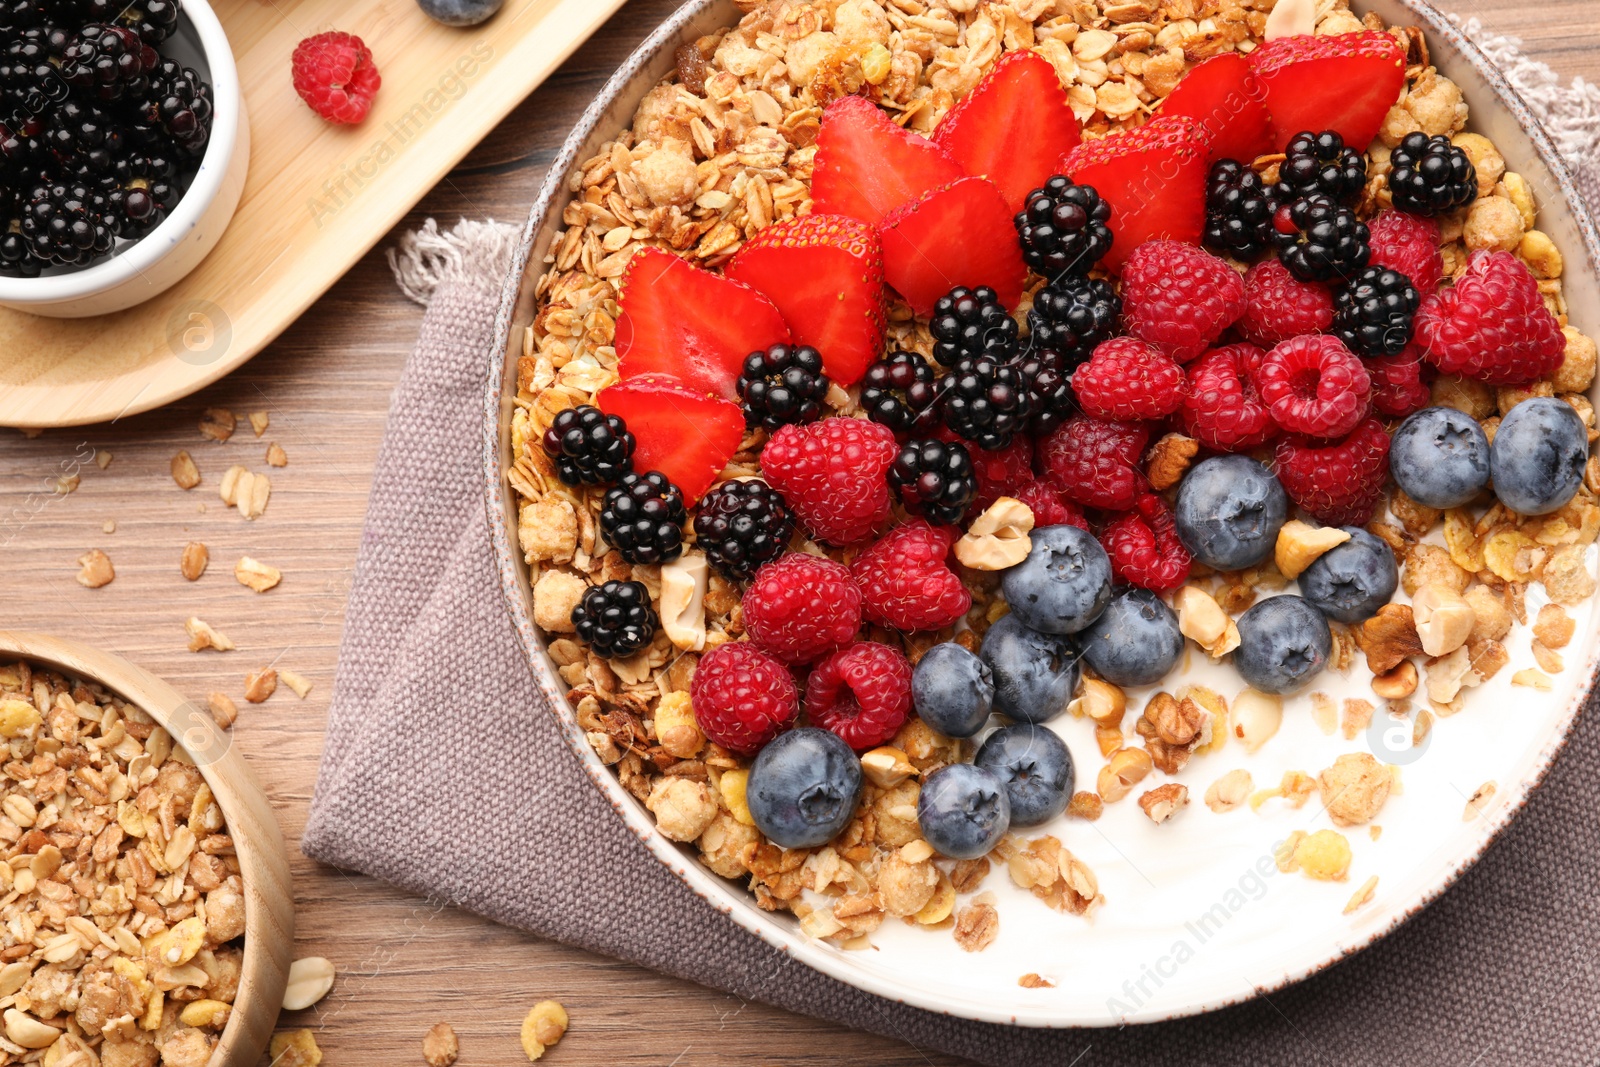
point(1136, 373)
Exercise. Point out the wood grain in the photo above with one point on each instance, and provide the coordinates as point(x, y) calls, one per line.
point(404, 964)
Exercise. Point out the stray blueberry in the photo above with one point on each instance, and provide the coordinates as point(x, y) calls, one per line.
point(1036, 768)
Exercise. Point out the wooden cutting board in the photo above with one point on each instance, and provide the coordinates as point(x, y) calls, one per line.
point(317, 198)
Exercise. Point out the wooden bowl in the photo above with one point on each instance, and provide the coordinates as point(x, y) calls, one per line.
point(263, 859)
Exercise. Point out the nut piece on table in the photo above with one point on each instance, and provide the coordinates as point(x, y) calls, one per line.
point(309, 981)
point(196, 558)
point(1163, 802)
point(259, 685)
point(998, 538)
point(184, 472)
point(1443, 618)
point(203, 636)
point(259, 421)
point(298, 682)
point(223, 709)
point(295, 1048)
point(1301, 544)
point(544, 1026)
point(1355, 788)
point(276, 457)
point(256, 575)
point(217, 423)
point(1202, 620)
point(1230, 791)
point(1255, 718)
point(246, 492)
point(95, 569)
point(440, 1046)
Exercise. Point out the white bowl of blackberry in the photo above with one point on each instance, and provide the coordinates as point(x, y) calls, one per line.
point(123, 150)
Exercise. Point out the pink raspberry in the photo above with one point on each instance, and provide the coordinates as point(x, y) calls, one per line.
point(1179, 297)
point(1221, 408)
point(1398, 385)
point(1096, 463)
point(801, 607)
point(999, 470)
point(1491, 325)
point(862, 693)
point(334, 74)
point(833, 474)
point(1128, 379)
point(1144, 546)
point(1049, 507)
point(1279, 306)
point(1410, 245)
point(1339, 483)
point(1314, 386)
point(906, 583)
point(742, 697)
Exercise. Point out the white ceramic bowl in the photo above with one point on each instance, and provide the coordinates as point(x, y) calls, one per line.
point(139, 270)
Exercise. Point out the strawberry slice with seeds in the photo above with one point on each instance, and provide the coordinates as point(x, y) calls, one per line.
point(1345, 82)
point(697, 326)
point(684, 433)
point(1013, 128)
point(1154, 178)
point(866, 166)
point(825, 274)
point(958, 235)
point(1225, 96)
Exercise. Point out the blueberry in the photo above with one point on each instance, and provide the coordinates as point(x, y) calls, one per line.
point(1036, 768)
point(1440, 457)
point(1229, 511)
point(1538, 456)
point(459, 12)
point(803, 787)
point(1034, 673)
point(963, 810)
point(1064, 583)
point(952, 690)
point(1135, 641)
point(1350, 582)
point(1283, 641)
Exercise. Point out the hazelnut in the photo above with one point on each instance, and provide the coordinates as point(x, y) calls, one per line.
point(998, 538)
point(1300, 544)
point(1202, 620)
point(1100, 701)
point(1443, 619)
point(1397, 683)
point(1126, 768)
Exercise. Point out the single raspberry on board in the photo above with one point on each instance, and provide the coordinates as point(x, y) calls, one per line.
point(1096, 463)
point(801, 607)
point(1491, 325)
point(742, 697)
point(833, 474)
point(1049, 507)
point(1410, 245)
point(1144, 546)
point(1221, 408)
point(1179, 297)
point(1314, 386)
point(906, 581)
point(1127, 378)
point(1399, 387)
point(862, 693)
point(335, 75)
point(1279, 306)
point(1338, 484)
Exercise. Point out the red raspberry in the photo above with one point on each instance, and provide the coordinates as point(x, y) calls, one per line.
point(1000, 471)
point(862, 693)
point(1144, 546)
point(1128, 379)
point(335, 75)
point(801, 607)
point(1491, 324)
point(1221, 408)
point(1179, 298)
point(905, 582)
point(1279, 306)
point(1398, 388)
point(742, 697)
point(1410, 245)
point(1049, 507)
point(1340, 483)
point(1096, 463)
point(1314, 386)
point(833, 475)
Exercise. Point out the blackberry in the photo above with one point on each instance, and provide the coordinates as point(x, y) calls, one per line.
point(742, 525)
point(16, 257)
point(1320, 163)
point(84, 140)
point(1318, 239)
point(971, 322)
point(140, 190)
point(178, 103)
point(589, 446)
point(19, 15)
point(643, 518)
point(1071, 315)
point(901, 391)
point(782, 386)
point(615, 619)
point(1430, 176)
point(1048, 380)
point(1373, 312)
point(985, 401)
point(935, 479)
point(65, 223)
point(1239, 209)
point(22, 151)
point(1063, 228)
point(109, 62)
point(29, 73)
point(153, 20)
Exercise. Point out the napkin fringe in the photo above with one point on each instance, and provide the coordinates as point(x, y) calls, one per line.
point(1570, 113)
point(425, 258)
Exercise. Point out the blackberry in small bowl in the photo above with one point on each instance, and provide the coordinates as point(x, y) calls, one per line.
point(1373, 312)
point(85, 141)
point(1239, 208)
point(781, 386)
point(1319, 240)
point(985, 401)
point(65, 223)
point(741, 525)
point(1062, 228)
point(615, 618)
point(901, 391)
point(109, 62)
point(29, 67)
point(971, 322)
point(589, 446)
point(153, 20)
point(1430, 176)
point(1048, 380)
point(1320, 163)
point(643, 518)
point(935, 479)
point(178, 103)
point(1071, 315)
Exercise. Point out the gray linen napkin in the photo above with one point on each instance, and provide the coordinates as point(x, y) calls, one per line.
point(1501, 970)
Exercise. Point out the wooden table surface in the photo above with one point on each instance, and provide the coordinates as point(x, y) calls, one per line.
point(403, 965)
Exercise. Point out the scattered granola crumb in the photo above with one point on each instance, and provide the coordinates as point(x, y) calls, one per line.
point(1355, 788)
point(67, 483)
point(1549, 660)
point(184, 472)
point(310, 979)
point(295, 1048)
point(223, 709)
point(203, 636)
point(1553, 627)
point(1324, 712)
point(545, 1025)
point(102, 459)
point(1035, 981)
point(1229, 791)
point(217, 424)
point(196, 558)
point(245, 491)
point(109, 526)
point(1324, 855)
point(259, 685)
point(259, 421)
point(967, 875)
point(276, 456)
point(1529, 677)
point(256, 575)
point(976, 926)
point(1086, 805)
point(95, 569)
point(440, 1046)
point(1478, 801)
point(1357, 716)
point(1169, 458)
point(1374, 831)
point(1362, 895)
point(298, 682)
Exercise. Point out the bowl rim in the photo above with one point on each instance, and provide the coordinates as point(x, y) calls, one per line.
point(732, 900)
point(147, 251)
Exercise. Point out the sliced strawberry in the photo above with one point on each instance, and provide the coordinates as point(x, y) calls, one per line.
point(1225, 96)
point(958, 235)
point(1154, 178)
point(866, 166)
point(825, 273)
point(684, 433)
point(1345, 82)
point(1013, 128)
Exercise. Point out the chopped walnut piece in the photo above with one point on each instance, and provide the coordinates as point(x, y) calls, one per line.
point(95, 569)
point(1354, 789)
point(1301, 544)
point(1361, 895)
point(440, 1046)
point(196, 557)
point(217, 424)
point(976, 926)
point(1229, 791)
point(259, 685)
point(1479, 800)
point(1388, 637)
point(254, 574)
point(223, 709)
point(276, 457)
point(203, 636)
point(1034, 981)
point(967, 875)
point(184, 472)
point(545, 1025)
point(1164, 801)
point(1169, 458)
